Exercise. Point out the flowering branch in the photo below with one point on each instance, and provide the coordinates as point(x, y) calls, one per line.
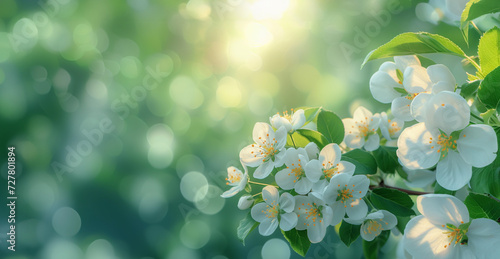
point(383, 185)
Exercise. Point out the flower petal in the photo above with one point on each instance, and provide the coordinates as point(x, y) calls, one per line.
point(320, 186)
point(298, 119)
point(354, 140)
point(288, 221)
point(423, 239)
point(382, 87)
point(312, 150)
point(346, 167)
point(268, 226)
point(372, 143)
point(453, 172)
point(418, 106)
point(356, 208)
point(360, 184)
point(416, 79)
point(287, 202)
point(313, 170)
point(291, 157)
point(261, 131)
point(284, 179)
point(245, 202)
point(400, 108)
point(231, 192)
point(258, 212)
point(439, 73)
point(277, 122)
point(442, 209)
point(389, 221)
point(402, 62)
point(484, 238)
point(316, 232)
point(251, 155)
point(415, 147)
point(368, 232)
point(264, 170)
point(330, 154)
point(331, 191)
point(477, 145)
point(303, 186)
point(362, 114)
point(447, 111)
point(270, 195)
point(338, 210)
point(280, 138)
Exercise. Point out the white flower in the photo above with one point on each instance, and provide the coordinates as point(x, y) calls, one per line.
point(345, 194)
point(390, 129)
point(374, 223)
point(400, 82)
point(361, 130)
point(448, 11)
point(321, 171)
point(292, 122)
point(268, 150)
point(443, 231)
point(274, 210)
point(245, 202)
point(294, 176)
point(236, 179)
point(455, 151)
point(313, 215)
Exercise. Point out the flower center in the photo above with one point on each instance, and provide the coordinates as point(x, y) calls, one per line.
point(456, 235)
point(411, 96)
point(445, 143)
point(287, 116)
point(312, 213)
point(272, 210)
point(329, 173)
point(267, 149)
point(345, 194)
point(363, 129)
point(374, 226)
point(297, 171)
point(393, 128)
point(233, 177)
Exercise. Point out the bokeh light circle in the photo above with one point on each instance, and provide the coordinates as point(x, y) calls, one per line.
point(194, 186)
point(275, 249)
point(195, 234)
point(211, 203)
point(66, 222)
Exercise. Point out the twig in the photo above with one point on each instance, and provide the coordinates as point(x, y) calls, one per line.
point(383, 185)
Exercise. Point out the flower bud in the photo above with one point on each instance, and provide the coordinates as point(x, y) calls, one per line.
point(245, 202)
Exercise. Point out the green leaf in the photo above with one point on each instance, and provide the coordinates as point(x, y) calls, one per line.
point(489, 90)
point(402, 221)
point(298, 140)
point(246, 226)
point(402, 173)
point(331, 126)
point(469, 89)
point(438, 189)
point(482, 206)
point(314, 136)
point(412, 43)
point(298, 241)
point(371, 249)
point(489, 50)
point(487, 179)
point(425, 62)
point(310, 113)
point(386, 158)
point(395, 201)
point(349, 233)
point(475, 9)
point(365, 163)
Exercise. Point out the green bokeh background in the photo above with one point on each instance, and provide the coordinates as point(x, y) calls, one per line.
point(174, 89)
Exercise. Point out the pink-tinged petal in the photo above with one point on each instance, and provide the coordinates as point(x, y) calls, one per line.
point(447, 111)
point(356, 208)
point(418, 106)
point(270, 195)
point(484, 238)
point(354, 140)
point(279, 138)
point(359, 185)
point(372, 143)
point(303, 186)
point(259, 212)
point(441, 74)
point(313, 170)
point(312, 150)
point(416, 147)
point(423, 239)
point(277, 122)
point(362, 114)
point(477, 145)
point(442, 209)
point(382, 87)
point(251, 155)
point(284, 179)
point(298, 119)
point(345, 167)
point(288, 221)
point(268, 226)
point(400, 108)
point(453, 172)
point(287, 202)
point(264, 170)
point(402, 62)
point(330, 154)
point(416, 79)
point(262, 132)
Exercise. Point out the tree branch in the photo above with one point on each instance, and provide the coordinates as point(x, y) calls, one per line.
point(383, 185)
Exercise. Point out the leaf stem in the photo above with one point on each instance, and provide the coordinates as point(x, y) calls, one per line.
point(383, 185)
point(256, 194)
point(265, 184)
point(477, 29)
point(477, 117)
point(475, 65)
point(293, 142)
